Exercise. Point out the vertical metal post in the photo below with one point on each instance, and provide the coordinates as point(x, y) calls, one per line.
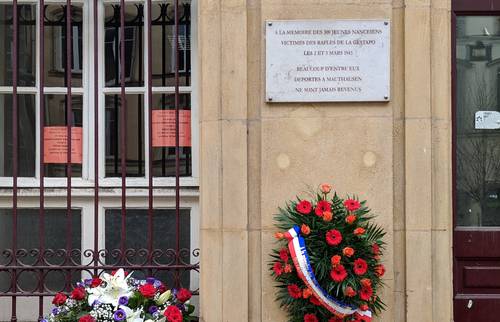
point(177, 161)
point(41, 222)
point(14, 156)
point(69, 124)
point(96, 139)
point(123, 131)
point(150, 131)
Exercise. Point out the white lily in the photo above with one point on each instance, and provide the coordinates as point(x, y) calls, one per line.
point(164, 297)
point(116, 287)
point(132, 316)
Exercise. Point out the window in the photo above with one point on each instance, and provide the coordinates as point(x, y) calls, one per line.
point(44, 117)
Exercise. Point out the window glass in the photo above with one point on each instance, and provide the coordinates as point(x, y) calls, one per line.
point(55, 45)
point(26, 135)
point(163, 39)
point(28, 230)
point(134, 134)
point(164, 225)
point(26, 54)
point(134, 44)
point(164, 157)
point(55, 120)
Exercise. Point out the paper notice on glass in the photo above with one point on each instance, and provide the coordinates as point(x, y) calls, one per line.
point(55, 142)
point(163, 128)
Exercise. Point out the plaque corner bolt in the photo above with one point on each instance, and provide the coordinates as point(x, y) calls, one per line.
point(386, 23)
point(269, 23)
point(386, 97)
point(269, 99)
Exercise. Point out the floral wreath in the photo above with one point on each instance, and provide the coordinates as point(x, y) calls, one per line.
point(327, 265)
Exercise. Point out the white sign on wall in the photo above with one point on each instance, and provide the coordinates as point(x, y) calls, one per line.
point(327, 60)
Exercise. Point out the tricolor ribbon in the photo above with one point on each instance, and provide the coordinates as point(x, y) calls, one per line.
point(297, 247)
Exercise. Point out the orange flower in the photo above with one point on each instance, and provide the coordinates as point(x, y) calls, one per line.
point(350, 219)
point(380, 270)
point(359, 231)
point(335, 260)
point(326, 187)
point(349, 292)
point(288, 268)
point(365, 282)
point(305, 229)
point(306, 293)
point(278, 235)
point(348, 251)
point(327, 216)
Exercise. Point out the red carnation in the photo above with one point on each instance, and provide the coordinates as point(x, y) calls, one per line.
point(284, 254)
point(349, 292)
point(375, 249)
point(359, 231)
point(363, 307)
point(365, 282)
point(314, 300)
point(96, 281)
point(86, 318)
point(173, 314)
point(184, 295)
point(360, 266)
point(380, 270)
point(338, 273)
point(365, 293)
point(310, 318)
point(278, 268)
point(147, 290)
point(352, 205)
point(59, 299)
point(78, 294)
point(333, 237)
point(304, 207)
point(294, 291)
point(321, 207)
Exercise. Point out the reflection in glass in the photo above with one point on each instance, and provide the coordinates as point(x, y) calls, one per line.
point(55, 45)
point(162, 33)
point(477, 150)
point(26, 135)
point(134, 136)
point(55, 115)
point(26, 52)
point(134, 58)
point(164, 225)
point(56, 221)
point(164, 157)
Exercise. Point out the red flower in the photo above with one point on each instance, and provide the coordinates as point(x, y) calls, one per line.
point(338, 273)
point(284, 254)
point(96, 281)
point(304, 207)
point(314, 300)
point(380, 270)
point(173, 314)
point(348, 251)
point(333, 237)
point(59, 299)
point(78, 294)
point(365, 293)
point(349, 292)
point(335, 319)
point(326, 187)
point(375, 249)
point(183, 295)
point(365, 282)
point(278, 268)
point(335, 260)
point(147, 290)
point(306, 293)
point(321, 207)
point(86, 318)
point(352, 205)
point(288, 268)
point(359, 231)
point(360, 266)
point(350, 219)
point(278, 235)
point(363, 307)
point(310, 318)
point(294, 291)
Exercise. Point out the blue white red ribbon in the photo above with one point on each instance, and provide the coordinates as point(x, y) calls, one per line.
point(297, 247)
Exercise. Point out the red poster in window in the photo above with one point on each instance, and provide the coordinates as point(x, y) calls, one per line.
point(55, 142)
point(163, 128)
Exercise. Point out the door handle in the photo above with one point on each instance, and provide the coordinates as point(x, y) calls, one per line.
point(469, 304)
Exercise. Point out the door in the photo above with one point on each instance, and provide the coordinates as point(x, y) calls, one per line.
point(476, 145)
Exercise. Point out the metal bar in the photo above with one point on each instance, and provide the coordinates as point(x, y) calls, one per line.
point(96, 140)
point(150, 131)
point(123, 126)
point(177, 152)
point(69, 124)
point(14, 156)
point(41, 98)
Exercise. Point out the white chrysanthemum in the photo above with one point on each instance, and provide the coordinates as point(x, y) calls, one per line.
point(115, 287)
